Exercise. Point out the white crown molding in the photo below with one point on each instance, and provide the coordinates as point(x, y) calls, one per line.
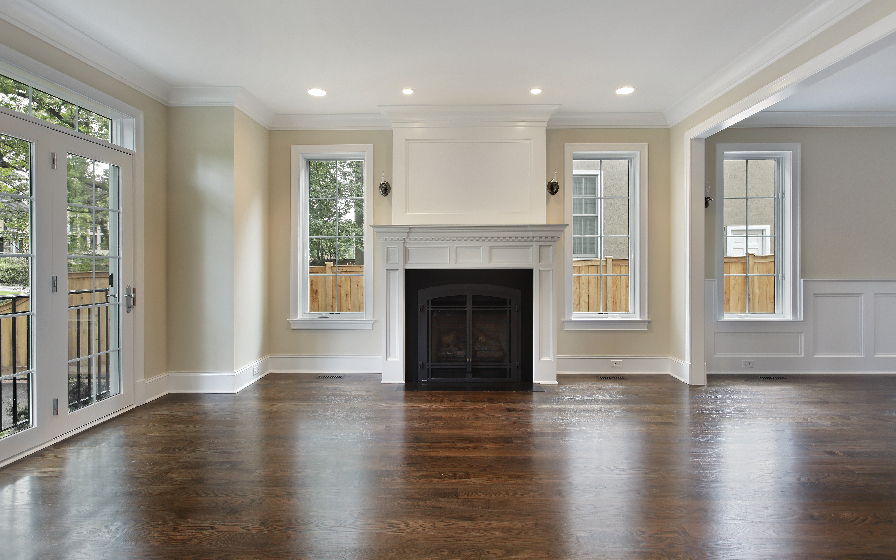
point(526, 233)
point(608, 120)
point(408, 116)
point(47, 27)
point(811, 119)
point(223, 97)
point(358, 121)
point(796, 32)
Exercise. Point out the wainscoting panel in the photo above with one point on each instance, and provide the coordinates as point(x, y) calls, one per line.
point(848, 326)
point(885, 325)
point(837, 320)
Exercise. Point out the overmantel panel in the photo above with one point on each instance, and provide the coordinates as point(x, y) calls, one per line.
point(469, 175)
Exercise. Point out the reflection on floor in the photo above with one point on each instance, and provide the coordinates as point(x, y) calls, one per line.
point(641, 467)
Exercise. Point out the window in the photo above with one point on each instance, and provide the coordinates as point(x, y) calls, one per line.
point(606, 244)
point(332, 288)
point(757, 255)
point(25, 93)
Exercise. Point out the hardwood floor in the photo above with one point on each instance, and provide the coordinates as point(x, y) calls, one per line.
point(643, 467)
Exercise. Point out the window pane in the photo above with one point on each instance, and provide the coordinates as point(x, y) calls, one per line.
point(761, 213)
point(80, 180)
point(616, 247)
point(15, 276)
point(761, 177)
point(322, 179)
point(735, 286)
point(80, 231)
point(94, 125)
point(735, 178)
point(15, 174)
point(761, 297)
point(322, 217)
point(735, 212)
point(615, 177)
point(584, 206)
point(52, 109)
point(15, 225)
point(584, 225)
point(585, 185)
point(615, 216)
point(13, 95)
point(351, 179)
point(321, 251)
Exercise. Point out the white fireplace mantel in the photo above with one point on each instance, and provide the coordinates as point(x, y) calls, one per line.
point(471, 246)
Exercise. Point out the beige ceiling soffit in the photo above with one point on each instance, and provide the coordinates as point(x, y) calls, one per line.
point(800, 29)
point(233, 96)
point(814, 119)
point(608, 120)
point(405, 116)
point(347, 121)
point(47, 27)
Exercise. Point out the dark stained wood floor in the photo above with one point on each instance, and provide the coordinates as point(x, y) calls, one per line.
point(645, 467)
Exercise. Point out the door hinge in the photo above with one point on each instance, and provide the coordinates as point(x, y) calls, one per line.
point(55, 407)
point(54, 160)
point(54, 283)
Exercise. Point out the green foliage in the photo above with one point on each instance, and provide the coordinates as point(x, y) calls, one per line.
point(336, 211)
point(14, 271)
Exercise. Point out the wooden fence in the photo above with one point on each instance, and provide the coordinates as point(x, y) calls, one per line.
point(602, 293)
point(88, 330)
point(326, 288)
point(761, 291)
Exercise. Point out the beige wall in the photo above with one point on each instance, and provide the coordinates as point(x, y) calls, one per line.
point(152, 299)
point(250, 229)
point(847, 199)
point(201, 239)
point(283, 340)
point(654, 341)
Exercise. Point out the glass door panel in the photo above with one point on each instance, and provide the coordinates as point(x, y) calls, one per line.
point(94, 256)
point(16, 315)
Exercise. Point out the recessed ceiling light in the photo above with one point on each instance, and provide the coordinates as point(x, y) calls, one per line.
point(625, 90)
point(316, 92)
point(407, 91)
point(535, 91)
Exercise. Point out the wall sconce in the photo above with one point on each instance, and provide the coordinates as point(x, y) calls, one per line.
point(553, 185)
point(385, 187)
point(707, 199)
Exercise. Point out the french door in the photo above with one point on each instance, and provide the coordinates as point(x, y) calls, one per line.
point(66, 254)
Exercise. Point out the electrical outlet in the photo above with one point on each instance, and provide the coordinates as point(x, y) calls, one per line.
point(747, 364)
point(615, 363)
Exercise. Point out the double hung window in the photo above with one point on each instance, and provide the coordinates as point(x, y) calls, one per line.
point(332, 287)
point(757, 253)
point(606, 206)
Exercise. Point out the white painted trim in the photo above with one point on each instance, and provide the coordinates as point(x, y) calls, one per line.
point(44, 25)
point(680, 370)
point(819, 119)
point(236, 97)
point(608, 324)
point(325, 324)
point(357, 121)
point(631, 365)
point(816, 18)
point(608, 120)
point(218, 382)
point(147, 390)
point(433, 116)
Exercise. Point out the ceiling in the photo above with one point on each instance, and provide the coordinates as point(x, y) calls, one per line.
point(678, 55)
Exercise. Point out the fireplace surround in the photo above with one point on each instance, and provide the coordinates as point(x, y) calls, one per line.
point(528, 247)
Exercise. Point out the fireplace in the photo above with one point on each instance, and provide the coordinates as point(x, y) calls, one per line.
point(455, 254)
point(468, 325)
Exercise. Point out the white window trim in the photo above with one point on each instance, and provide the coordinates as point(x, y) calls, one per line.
point(299, 318)
point(791, 307)
point(637, 319)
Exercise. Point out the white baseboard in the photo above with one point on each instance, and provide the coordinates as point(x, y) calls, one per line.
point(147, 390)
point(679, 369)
point(631, 365)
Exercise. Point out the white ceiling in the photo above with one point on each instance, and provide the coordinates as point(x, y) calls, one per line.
point(678, 54)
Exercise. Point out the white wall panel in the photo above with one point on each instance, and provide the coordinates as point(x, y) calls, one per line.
point(885, 324)
point(758, 344)
point(837, 324)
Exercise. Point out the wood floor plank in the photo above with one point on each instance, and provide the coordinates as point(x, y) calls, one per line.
point(641, 467)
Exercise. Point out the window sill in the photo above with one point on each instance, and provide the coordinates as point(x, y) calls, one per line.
point(766, 319)
point(330, 324)
point(606, 324)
